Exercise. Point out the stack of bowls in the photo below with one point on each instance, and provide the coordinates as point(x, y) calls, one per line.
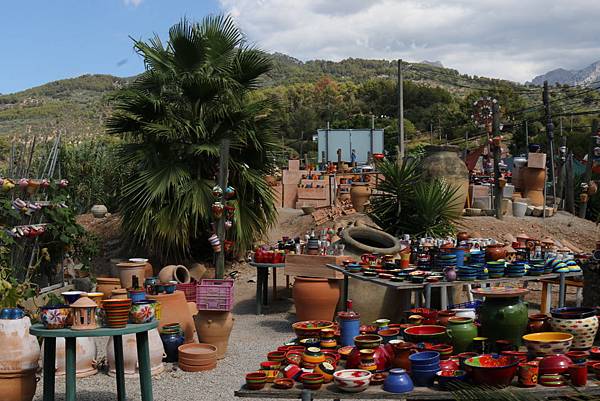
point(536, 269)
point(483, 273)
point(424, 366)
point(573, 266)
point(517, 269)
point(495, 269)
point(467, 273)
point(255, 380)
point(477, 257)
point(117, 312)
point(197, 357)
point(444, 260)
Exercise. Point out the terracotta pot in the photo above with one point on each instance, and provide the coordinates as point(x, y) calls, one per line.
point(444, 162)
point(535, 197)
point(177, 273)
point(495, 252)
point(130, 359)
point(20, 350)
point(105, 285)
point(18, 385)
point(533, 179)
point(538, 323)
point(86, 357)
point(129, 269)
point(197, 271)
point(443, 317)
point(315, 298)
point(175, 309)
point(360, 193)
point(214, 328)
point(400, 352)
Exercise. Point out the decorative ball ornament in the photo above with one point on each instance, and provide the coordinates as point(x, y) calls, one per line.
point(63, 183)
point(229, 210)
point(483, 112)
point(217, 210)
point(23, 182)
point(217, 191)
point(45, 183)
point(228, 224)
point(229, 192)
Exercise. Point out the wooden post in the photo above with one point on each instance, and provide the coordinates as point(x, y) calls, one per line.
point(497, 149)
point(550, 150)
point(223, 176)
point(588, 167)
point(570, 185)
point(561, 171)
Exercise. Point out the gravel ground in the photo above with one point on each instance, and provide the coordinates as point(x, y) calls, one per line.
point(252, 337)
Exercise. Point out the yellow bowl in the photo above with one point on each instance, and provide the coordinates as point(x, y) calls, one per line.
point(547, 336)
point(548, 343)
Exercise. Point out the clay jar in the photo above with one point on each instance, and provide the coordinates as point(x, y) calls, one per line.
point(400, 351)
point(360, 193)
point(443, 317)
point(503, 319)
point(86, 356)
point(130, 357)
point(461, 331)
point(177, 273)
point(214, 327)
point(495, 252)
point(105, 285)
point(315, 298)
point(175, 309)
point(538, 323)
point(18, 385)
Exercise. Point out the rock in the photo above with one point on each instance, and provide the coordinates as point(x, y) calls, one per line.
point(529, 211)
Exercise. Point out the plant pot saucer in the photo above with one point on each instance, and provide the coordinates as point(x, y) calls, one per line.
point(198, 351)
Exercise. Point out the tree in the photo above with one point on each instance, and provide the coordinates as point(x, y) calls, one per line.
point(197, 89)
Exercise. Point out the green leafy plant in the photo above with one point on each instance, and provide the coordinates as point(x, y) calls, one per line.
point(405, 203)
point(197, 89)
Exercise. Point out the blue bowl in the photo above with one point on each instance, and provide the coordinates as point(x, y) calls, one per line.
point(12, 313)
point(398, 381)
point(424, 358)
point(423, 378)
point(430, 366)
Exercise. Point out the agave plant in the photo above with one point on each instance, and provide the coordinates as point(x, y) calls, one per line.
point(196, 90)
point(405, 203)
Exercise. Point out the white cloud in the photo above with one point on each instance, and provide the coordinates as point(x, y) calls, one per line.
point(133, 3)
point(511, 39)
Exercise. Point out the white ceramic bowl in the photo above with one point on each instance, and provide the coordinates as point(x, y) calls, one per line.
point(352, 380)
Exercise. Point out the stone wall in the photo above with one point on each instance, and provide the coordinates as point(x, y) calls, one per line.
point(591, 279)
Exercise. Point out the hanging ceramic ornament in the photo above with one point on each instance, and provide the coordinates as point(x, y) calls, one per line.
point(228, 245)
point(229, 209)
point(7, 185)
point(45, 183)
point(217, 210)
point(229, 192)
point(217, 191)
point(63, 183)
point(215, 243)
point(228, 224)
point(23, 183)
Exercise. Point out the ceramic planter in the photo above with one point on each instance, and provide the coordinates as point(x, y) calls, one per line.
point(105, 285)
point(129, 269)
point(315, 298)
point(54, 317)
point(214, 328)
point(538, 323)
point(20, 350)
point(583, 330)
point(86, 357)
point(143, 311)
point(174, 308)
point(461, 331)
point(548, 343)
point(18, 385)
point(503, 319)
point(99, 211)
point(157, 353)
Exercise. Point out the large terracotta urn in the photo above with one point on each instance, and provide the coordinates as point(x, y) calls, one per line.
point(315, 298)
point(174, 308)
point(129, 269)
point(360, 193)
point(86, 357)
point(214, 327)
point(533, 181)
point(130, 359)
point(105, 285)
point(18, 360)
point(442, 162)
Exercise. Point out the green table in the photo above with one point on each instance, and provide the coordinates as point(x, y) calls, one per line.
point(141, 333)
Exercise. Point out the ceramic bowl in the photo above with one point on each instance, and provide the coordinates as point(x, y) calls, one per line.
point(445, 377)
point(450, 364)
point(311, 328)
point(256, 380)
point(595, 353)
point(311, 381)
point(169, 287)
point(54, 317)
point(492, 369)
point(352, 380)
point(368, 341)
point(424, 358)
point(554, 364)
point(578, 356)
point(72, 296)
point(283, 384)
point(345, 351)
point(143, 311)
point(276, 356)
point(424, 377)
point(426, 333)
point(573, 313)
point(547, 343)
point(522, 355)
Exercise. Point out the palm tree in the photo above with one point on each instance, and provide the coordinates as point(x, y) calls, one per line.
point(196, 90)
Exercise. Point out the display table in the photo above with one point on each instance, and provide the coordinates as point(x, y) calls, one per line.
point(331, 392)
point(262, 283)
point(141, 332)
point(425, 288)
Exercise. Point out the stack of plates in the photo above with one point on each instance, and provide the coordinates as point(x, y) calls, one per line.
point(573, 266)
point(495, 269)
point(197, 357)
point(445, 260)
point(477, 257)
point(517, 269)
point(536, 269)
point(468, 273)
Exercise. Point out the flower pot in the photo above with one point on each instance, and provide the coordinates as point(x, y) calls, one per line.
point(86, 357)
point(129, 269)
point(360, 193)
point(503, 319)
point(461, 331)
point(583, 330)
point(105, 285)
point(315, 298)
point(130, 360)
point(55, 317)
point(18, 385)
point(178, 273)
point(20, 350)
point(214, 328)
point(99, 211)
point(174, 308)
point(443, 317)
point(538, 323)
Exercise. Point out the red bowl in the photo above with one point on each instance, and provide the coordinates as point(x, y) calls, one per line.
point(522, 355)
point(293, 357)
point(427, 333)
point(595, 353)
point(276, 356)
point(554, 364)
point(311, 328)
point(492, 370)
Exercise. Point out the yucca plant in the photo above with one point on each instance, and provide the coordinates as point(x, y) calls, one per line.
point(406, 203)
point(196, 90)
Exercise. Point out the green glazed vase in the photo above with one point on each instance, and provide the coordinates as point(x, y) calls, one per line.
point(503, 319)
point(461, 331)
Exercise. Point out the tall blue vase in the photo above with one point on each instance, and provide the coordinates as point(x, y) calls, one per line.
point(349, 328)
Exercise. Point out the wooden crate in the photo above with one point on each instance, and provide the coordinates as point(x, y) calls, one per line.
point(312, 266)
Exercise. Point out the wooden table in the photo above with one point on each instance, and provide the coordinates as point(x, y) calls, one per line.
point(425, 288)
point(262, 283)
point(331, 392)
point(141, 333)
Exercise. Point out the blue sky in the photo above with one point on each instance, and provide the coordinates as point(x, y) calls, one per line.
point(42, 41)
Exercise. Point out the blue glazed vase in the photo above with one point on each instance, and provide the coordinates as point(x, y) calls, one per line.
point(171, 342)
point(349, 328)
point(398, 381)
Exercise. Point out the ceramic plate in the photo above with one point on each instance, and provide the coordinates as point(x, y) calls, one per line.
point(500, 292)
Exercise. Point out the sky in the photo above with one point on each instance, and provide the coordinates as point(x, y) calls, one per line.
point(42, 41)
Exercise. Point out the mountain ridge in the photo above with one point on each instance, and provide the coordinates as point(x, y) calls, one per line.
point(561, 76)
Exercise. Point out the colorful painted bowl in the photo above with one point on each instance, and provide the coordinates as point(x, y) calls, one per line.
point(283, 384)
point(368, 341)
point(492, 369)
point(578, 356)
point(311, 328)
point(326, 370)
point(311, 381)
point(427, 333)
point(345, 351)
point(270, 365)
point(294, 357)
point(276, 356)
point(352, 380)
point(54, 317)
point(255, 380)
point(446, 377)
point(143, 311)
point(547, 343)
